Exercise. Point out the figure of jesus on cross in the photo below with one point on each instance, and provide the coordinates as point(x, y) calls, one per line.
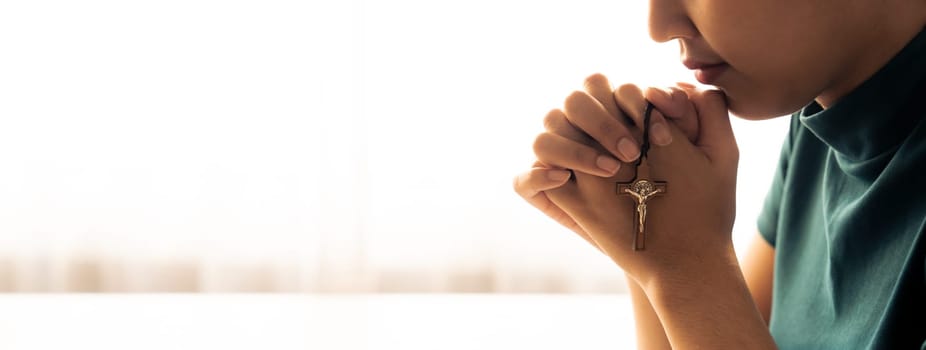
point(641, 189)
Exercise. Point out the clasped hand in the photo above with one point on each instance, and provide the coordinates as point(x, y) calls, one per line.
point(592, 143)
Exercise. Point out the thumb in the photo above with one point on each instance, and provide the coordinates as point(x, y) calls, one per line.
point(716, 137)
point(674, 105)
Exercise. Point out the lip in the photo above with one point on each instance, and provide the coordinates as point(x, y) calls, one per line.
point(706, 73)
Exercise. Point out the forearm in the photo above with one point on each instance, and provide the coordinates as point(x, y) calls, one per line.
point(709, 308)
point(650, 335)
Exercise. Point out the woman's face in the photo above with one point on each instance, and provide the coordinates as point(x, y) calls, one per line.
point(772, 57)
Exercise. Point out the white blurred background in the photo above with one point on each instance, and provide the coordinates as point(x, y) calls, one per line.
point(306, 146)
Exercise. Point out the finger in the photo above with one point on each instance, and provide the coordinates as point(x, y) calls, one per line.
point(716, 141)
point(530, 186)
point(597, 86)
point(674, 106)
point(688, 119)
point(558, 151)
point(586, 113)
point(717, 138)
point(632, 103)
point(577, 229)
point(546, 206)
point(629, 98)
point(685, 86)
point(539, 179)
point(555, 122)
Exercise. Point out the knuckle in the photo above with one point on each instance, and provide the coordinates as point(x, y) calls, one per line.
point(553, 119)
point(626, 90)
point(596, 79)
point(516, 184)
point(575, 99)
point(606, 129)
point(713, 92)
point(677, 94)
point(714, 95)
point(628, 95)
point(582, 155)
point(540, 143)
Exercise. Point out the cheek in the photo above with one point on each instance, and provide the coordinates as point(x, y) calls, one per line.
point(768, 82)
point(780, 52)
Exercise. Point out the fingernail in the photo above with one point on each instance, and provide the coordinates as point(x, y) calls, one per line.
point(661, 135)
point(608, 164)
point(558, 175)
point(628, 148)
point(664, 94)
point(677, 93)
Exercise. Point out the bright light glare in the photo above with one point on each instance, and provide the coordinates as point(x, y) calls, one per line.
point(363, 136)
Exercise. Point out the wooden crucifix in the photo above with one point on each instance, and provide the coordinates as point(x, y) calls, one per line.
point(641, 188)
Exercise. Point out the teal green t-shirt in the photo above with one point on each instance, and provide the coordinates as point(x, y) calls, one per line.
point(846, 214)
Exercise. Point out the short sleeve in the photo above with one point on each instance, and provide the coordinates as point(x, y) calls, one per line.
point(771, 209)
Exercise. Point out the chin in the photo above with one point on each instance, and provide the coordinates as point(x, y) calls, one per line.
point(755, 107)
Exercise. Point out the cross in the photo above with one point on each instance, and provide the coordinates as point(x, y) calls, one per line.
point(641, 189)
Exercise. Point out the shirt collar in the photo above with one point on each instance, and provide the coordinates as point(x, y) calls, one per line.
point(866, 125)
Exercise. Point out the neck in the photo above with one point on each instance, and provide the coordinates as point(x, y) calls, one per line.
point(869, 59)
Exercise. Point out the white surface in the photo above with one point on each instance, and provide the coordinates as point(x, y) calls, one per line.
point(400, 321)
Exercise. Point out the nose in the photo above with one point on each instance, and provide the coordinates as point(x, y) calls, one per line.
point(668, 19)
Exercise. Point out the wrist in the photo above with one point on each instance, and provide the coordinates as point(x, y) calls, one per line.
point(688, 265)
point(708, 305)
point(686, 279)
